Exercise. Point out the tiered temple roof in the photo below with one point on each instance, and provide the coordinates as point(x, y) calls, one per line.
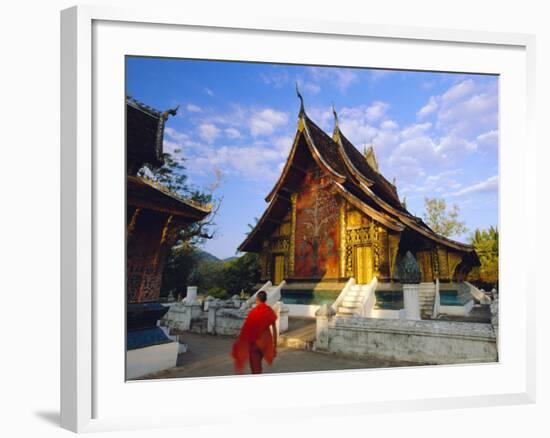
point(356, 178)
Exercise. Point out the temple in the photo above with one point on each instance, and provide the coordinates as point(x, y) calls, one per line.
point(155, 216)
point(332, 216)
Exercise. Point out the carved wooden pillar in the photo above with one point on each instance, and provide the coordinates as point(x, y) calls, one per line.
point(343, 249)
point(393, 247)
point(383, 265)
point(292, 249)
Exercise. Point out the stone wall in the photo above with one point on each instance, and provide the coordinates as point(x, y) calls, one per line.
point(423, 342)
point(223, 318)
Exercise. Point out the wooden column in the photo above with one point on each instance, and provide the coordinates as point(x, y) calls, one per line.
point(292, 246)
point(343, 225)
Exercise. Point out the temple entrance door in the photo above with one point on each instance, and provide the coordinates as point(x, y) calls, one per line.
point(278, 268)
point(363, 264)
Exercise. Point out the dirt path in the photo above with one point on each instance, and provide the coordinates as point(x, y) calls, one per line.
point(209, 356)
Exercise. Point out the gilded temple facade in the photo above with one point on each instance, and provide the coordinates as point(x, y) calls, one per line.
point(332, 215)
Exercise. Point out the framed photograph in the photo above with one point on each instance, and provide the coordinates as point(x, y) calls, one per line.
point(329, 213)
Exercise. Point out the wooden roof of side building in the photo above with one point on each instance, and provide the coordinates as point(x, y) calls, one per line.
point(144, 145)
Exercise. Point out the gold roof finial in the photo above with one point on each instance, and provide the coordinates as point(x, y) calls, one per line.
point(302, 110)
point(335, 117)
point(371, 157)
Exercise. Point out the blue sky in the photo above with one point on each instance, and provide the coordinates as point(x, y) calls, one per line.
point(436, 133)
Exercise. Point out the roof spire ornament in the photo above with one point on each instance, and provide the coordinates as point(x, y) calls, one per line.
point(335, 117)
point(302, 110)
point(371, 158)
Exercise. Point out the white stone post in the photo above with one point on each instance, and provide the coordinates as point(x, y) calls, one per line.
point(494, 316)
point(211, 325)
point(236, 300)
point(411, 301)
point(322, 318)
point(283, 317)
point(191, 294)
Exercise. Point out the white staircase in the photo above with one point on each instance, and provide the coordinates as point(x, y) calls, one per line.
point(426, 296)
point(273, 295)
point(355, 299)
point(352, 302)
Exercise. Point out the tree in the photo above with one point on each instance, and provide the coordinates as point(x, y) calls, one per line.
point(171, 176)
point(241, 274)
point(184, 258)
point(181, 263)
point(486, 244)
point(441, 220)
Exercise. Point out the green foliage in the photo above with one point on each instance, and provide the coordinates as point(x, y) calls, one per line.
point(207, 275)
point(172, 176)
point(218, 292)
point(443, 221)
point(182, 261)
point(241, 273)
point(486, 245)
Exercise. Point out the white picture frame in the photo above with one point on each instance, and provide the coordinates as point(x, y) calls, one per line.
point(93, 398)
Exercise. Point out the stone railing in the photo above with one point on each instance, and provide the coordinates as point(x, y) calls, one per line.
point(350, 283)
point(369, 299)
point(437, 300)
point(273, 294)
point(480, 296)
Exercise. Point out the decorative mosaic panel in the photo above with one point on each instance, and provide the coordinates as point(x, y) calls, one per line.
point(317, 234)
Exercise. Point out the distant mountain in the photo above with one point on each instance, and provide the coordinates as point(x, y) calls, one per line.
point(207, 257)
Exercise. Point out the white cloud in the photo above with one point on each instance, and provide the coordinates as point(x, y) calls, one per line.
point(254, 162)
point(265, 122)
point(277, 78)
point(283, 145)
point(311, 87)
point(193, 108)
point(458, 91)
point(232, 133)
point(208, 132)
point(209, 92)
point(376, 111)
point(415, 130)
point(343, 78)
point(389, 125)
point(489, 185)
point(489, 138)
point(427, 109)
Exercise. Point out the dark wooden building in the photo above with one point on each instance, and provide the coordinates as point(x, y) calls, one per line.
point(154, 214)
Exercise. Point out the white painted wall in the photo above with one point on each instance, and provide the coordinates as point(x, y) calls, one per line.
point(302, 310)
point(151, 359)
point(423, 342)
point(457, 310)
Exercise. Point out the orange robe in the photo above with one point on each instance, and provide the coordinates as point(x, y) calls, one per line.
point(255, 330)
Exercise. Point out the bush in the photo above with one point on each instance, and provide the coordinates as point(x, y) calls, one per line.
point(218, 292)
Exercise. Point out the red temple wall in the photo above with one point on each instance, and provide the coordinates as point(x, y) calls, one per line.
point(145, 257)
point(316, 253)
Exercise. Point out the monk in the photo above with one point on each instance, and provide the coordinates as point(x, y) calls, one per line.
point(258, 337)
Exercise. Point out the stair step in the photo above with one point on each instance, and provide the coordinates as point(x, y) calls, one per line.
point(346, 311)
point(351, 302)
point(356, 293)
